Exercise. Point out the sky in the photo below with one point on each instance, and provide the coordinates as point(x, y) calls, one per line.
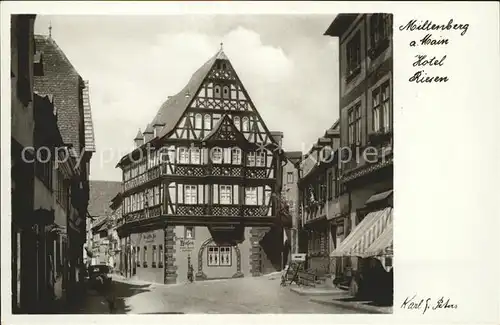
point(133, 63)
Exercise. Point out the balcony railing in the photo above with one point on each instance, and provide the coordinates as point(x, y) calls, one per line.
point(197, 171)
point(222, 210)
point(216, 210)
point(151, 212)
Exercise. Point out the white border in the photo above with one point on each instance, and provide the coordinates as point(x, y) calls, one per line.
point(446, 216)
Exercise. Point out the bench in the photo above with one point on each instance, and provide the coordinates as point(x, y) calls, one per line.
point(307, 278)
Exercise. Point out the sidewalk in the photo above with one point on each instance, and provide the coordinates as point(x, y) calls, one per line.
point(348, 302)
point(317, 291)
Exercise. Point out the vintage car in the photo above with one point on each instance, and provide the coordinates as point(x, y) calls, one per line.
point(99, 275)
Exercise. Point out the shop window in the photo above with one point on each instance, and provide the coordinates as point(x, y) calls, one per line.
point(219, 256)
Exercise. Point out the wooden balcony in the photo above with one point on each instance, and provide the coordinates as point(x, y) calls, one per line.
point(198, 171)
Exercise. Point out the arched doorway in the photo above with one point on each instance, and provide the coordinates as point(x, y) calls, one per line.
point(202, 276)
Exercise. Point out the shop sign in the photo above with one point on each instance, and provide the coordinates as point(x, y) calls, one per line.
point(186, 245)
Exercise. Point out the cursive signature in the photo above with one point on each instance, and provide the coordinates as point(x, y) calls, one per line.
point(425, 304)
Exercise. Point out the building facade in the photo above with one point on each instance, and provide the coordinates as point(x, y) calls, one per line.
point(57, 79)
point(201, 193)
point(366, 136)
point(101, 242)
point(44, 197)
point(22, 173)
point(318, 192)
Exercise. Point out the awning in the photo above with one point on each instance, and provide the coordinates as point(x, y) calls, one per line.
point(365, 233)
point(383, 245)
point(379, 197)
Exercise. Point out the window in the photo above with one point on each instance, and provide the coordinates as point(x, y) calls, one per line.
point(244, 124)
point(236, 156)
point(225, 256)
point(354, 119)
point(158, 194)
point(160, 256)
point(217, 93)
point(217, 155)
point(353, 55)
point(251, 159)
point(153, 263)
point(206, 122)
point(237, 122)
point(145, 257)
point(225, 92)
point(380, 30)
point(219, 256)
point(23, 53)
point(289, 177)
point(198, 121)
point(43, 168)
point(195, 155)
point(213, 256)
point(183, 156)
point(189, 232)
point(62, 190)
point(190, 194)
point(381, 108)
point(226, 196)
point(227, 155)
point(251, 196)
point(260, 158)
point(330, 184)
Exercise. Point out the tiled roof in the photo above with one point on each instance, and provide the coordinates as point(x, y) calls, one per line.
point(101, 194)
point(61, 80)
point(87, 120)
point(149, 129)
point(172, 109)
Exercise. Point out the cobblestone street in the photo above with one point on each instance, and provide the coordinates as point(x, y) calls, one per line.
point(245, 295)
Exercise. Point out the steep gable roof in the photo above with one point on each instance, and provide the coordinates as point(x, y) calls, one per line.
point(172, 109)
point(101, 194)
point(61, 80)
point(227, 121)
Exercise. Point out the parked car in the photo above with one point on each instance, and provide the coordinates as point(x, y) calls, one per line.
point(99, 276)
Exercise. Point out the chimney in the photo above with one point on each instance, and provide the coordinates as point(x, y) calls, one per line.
point(139, 139)
point(148, 133)
point(278, 137)
point(157, 128)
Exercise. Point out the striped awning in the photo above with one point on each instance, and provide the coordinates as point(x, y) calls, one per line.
point(383, 245)
point(365, 234)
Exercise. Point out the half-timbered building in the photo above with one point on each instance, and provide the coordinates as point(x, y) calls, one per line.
point(201, 190)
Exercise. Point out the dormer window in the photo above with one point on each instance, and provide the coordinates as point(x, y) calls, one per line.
point(223, 66)
point(217, 92)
